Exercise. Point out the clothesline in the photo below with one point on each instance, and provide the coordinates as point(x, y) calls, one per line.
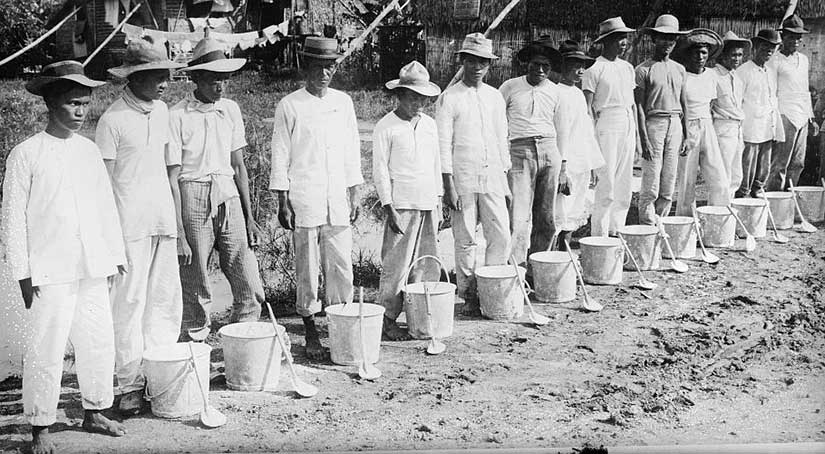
point(185, 40)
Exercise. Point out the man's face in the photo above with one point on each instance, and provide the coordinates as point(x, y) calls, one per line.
point(210, 84)
point(733, 57)
point(763, 51)
point(791, 41)
point(70, 107)
point(149, 85)
point(410, 102)
point(664, 43)
point(697, 58)
point(538, 68)
point(319, 73)
point(618, 42)
point(573, 70)
point(475, 68)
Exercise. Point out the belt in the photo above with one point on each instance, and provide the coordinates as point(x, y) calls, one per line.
point(530, 139)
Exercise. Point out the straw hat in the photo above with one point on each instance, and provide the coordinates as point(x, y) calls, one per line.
point(540, 47)
point(794, 24)
point(144, 55)
point(62, 70)
point(699, 36)
point(767, 35)
point(612, 26)
point(414, 76)
point(209, 55)
point(476, 44)
point(666, 24)
point(321, 48)
point(732, 39)
point(570, 50)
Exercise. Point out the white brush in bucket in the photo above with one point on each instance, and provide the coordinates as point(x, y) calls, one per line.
point(534, 316)
point(366, 370)
point(750, 241)
point(210, 416)
point(707, 257)
point(643, 283)
point(303, 388)
point(675, 264)
point(778, 237)
point(434, 346)
point(805, 226)
point(590, 306)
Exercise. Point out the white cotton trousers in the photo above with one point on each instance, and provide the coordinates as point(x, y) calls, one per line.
point(702, 152)
point(79, 312)
point(616, 132)
point(328, 247)
point(731, 145)
point(146, 306)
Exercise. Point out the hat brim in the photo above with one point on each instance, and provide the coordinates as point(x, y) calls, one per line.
point(333, 56)
point(700, 36)
point(588, 61)
point(665, 31)
point(428, 89)
point(801, 31)
point(775, 43)
point(526, 53)
point(123, 71)
point(477, 53)
point(613, 32)
point(741, 42)
point(38, 84)
point(224, 65)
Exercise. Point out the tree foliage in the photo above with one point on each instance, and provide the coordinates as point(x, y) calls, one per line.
point(21, 22)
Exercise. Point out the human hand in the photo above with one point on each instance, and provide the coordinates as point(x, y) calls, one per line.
point(286, 216)
point(29, 291)
point(253, 232)
point(393, 219)
point(646, 151)
point(184, 251)
point(564, 183)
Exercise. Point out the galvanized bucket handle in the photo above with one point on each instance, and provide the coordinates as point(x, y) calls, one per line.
point(442, 268)
point(184, 371)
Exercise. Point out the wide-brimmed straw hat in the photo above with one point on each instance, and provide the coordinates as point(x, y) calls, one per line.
point(666, 24)
point(414, 76)
point(539, 47)
point(321, 48)
point(767, 35)
point(477, 44)
point(612, 26)
point(209, 55)
point(570, 50)
point(794, 24)
point(144, 55)
point(731, 39)
point(699, 36)
point(62, 70)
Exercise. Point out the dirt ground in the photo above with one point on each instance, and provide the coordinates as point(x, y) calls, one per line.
point(725, 353)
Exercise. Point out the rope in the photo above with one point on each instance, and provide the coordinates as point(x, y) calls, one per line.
point(39, 40)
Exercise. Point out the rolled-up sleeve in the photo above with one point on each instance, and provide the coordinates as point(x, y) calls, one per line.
point(380, 165)
point(174, 149)
point(16, 186)
point(281, 139)
point(353, 163)
point(106, 138)
point(444, 124)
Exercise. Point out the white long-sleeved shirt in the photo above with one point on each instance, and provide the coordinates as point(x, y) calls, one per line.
point(729, 88)
point(759, 104)
point(530, 108)
point(612, 84)
point(60, 222)
point(406, 164)
point(472, 135)
point(792, 86)
point(577, 136)
point(316, 155)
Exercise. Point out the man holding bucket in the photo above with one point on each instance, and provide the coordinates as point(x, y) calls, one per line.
point(316, 171)
point(406, 169)
point(63, 239)
point(133, 136)
point(472, 132)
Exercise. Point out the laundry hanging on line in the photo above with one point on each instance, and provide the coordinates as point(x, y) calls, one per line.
point(185, 41)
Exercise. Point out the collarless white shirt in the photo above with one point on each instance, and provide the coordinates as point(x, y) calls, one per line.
point(472, 135)
point(611, 82)
point(792, 88)
point(759, 104)
point(700, 90)
point(60, 223)
point(728, 103)
point(316, 155)
point(137, 142)
point(530, 108)
point(406, 165)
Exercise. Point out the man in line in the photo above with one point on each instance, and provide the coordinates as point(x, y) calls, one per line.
point(207, 135)
point(726, 109)
point(316, 170)
point(791, 69)
point(762, 124)
point(608, 88)
point(406, 169)
point(132, 136)
point(63, 239)
point(659, 97)
point(701, 145)
point(472, 131)
point(531, 102)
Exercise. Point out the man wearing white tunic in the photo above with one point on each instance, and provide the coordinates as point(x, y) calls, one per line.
point(133, 136)
point(532, 101)
point(726, 109)
point(472, 131)
point(791, 69)
point(406, 169)
point(608, 87)
point(701, 145)
point(316, 170)
point(63, 240)
point(578, 146)
point(762, 124)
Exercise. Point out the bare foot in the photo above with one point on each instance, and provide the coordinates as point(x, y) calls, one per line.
point(95, 422)
point(131, 404)
point(471, 309)
point(42, 441)
point(393, 332)
point(314, 350)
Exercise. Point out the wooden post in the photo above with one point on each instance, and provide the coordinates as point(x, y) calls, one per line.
point(112, 35)
point(39, 40)
point(360, 40)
